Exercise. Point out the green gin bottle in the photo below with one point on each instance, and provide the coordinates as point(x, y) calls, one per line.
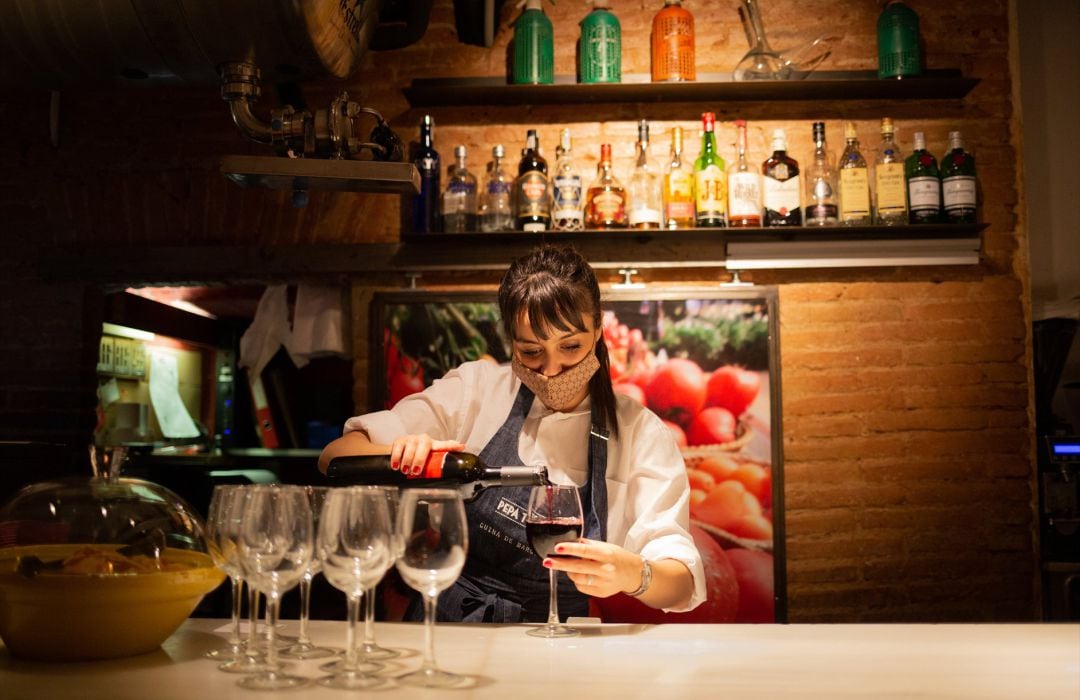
point(923, 184)
point(958, 185)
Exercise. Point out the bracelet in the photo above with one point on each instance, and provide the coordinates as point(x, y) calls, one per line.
point(646, 579)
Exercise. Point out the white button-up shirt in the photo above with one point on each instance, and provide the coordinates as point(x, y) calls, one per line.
point(648, 492)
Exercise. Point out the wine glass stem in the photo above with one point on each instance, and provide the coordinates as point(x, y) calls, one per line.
point(305, 609)
point(429, 632)
point(253, 619)
point(553, 599)
point(369, 616)
point(237, 604)
point(272, 602)
point(353, 610)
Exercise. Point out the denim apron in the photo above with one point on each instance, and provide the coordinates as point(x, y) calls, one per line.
point(503, 579)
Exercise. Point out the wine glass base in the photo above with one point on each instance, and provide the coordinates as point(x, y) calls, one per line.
point(553, 632)
point(229, 653)
point(304, 651)
point(435, 678)
point(247, 665)
point(374, 652)
point(361, 667)
point(272, 681)
point(348, 680)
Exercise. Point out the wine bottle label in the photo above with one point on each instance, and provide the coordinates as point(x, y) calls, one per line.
point(890, 189)
point(433, 467)
point(710, 187)
point(609, 206)
point(854, 193)
point(782, 196)
point(532, 199)
point(644, 215)
point(958, 192)
point(924, 194)
point(744, 194)
point(498, 187)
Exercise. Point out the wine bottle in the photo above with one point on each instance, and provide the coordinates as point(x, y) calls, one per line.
point(532, 191)
point(678, 187)
point(461, 470)
point(643, 190)
point(923, 183)
point(744, 187)
point(566, 191)
point(781, 191)
point(890, 194)
point(496, 213)
point(605, 200)
point(459, 198)
point(820, 207)
point(710, 182)
point(959, 188)
point(854, 182)
point(426, 160)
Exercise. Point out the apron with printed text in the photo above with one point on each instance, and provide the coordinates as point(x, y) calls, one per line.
point(503, 579)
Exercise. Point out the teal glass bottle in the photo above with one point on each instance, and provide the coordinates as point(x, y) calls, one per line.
point(534, 51)
point(600, 46)
point(899, 54)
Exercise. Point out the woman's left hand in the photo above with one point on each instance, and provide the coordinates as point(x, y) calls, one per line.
point(598, 569)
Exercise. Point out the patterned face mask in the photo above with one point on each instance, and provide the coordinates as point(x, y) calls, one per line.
point(560, 392)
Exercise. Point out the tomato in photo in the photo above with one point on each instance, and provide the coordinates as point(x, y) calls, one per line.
point(713, 426)
point(733, 388)
point(676, 391)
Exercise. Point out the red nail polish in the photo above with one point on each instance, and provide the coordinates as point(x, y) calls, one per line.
point(547, 563)
point(560, 550)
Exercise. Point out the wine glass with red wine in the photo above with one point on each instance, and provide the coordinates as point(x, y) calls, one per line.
point(554, 516)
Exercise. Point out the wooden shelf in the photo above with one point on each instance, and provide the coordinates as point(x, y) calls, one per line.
point(817, 86)
point(763, 248)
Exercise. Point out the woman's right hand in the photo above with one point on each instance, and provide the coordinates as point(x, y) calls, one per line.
point(409, 453)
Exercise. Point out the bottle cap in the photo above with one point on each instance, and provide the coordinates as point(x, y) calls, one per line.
point(779, 140)
point(643, 131)
point(918, 141)
point(955, 140)
point(708, 119)
point(740, 122)
point(849, 131)
point(564, 140)
point(498, 151)
point(819, 130)
point(605, 152)
point(460, 151)
point(887, 126)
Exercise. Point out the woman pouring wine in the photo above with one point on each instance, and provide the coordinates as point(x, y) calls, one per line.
point(553, 405)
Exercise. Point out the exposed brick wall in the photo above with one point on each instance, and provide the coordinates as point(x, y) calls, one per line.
point(906, 393)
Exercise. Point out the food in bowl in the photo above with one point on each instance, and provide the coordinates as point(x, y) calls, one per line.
point(81, 602)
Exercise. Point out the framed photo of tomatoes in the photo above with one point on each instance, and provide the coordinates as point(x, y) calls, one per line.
point(705, 361)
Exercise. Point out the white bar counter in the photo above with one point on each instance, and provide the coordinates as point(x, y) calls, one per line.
point(684, 662)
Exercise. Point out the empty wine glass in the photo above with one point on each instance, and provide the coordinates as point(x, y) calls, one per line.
point(275, 544)
point(304, 648)
point(223, 551)
point(436, 540)
point(369, 650)
point(355, 538)
point(230, 518)
point(553, 516)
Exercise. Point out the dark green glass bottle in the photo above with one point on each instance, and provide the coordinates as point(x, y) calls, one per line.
point(958, 185)
point(534, 52)
point(923, 184)
point(600, 46)
point(899, 54)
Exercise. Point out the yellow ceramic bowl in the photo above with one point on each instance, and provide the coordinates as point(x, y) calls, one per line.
point(56, 616)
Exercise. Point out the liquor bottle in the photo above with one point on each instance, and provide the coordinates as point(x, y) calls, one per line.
point(923, 184)
point(600, 46)
point(673, 44)
point(821, 209)
point(854, 182)
point(781, 191)
point(678, 187)
point(534, 52)
point(532, 190)
point(459, 198)
point(496, 213)
point(899, 55)
point(889, 191)
point(643, 190)
point(605, 201)
point(566, 211)
point(959, 191)
point(744, 187)
point(710, 183)
point(462, 470)
point(426, 160)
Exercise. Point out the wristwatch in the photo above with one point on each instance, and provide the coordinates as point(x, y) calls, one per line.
point(646, 578)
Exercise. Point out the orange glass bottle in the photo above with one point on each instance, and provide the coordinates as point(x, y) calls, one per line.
point(673, 44)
